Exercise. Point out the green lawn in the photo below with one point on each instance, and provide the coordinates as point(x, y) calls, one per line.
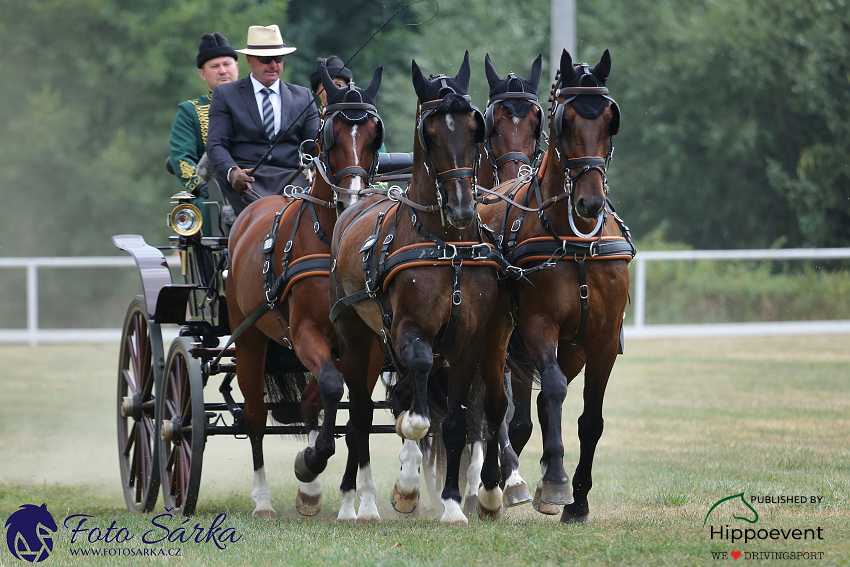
point(688, 422)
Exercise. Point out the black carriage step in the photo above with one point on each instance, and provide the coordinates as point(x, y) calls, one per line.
point(339, 430)
point(220, 406)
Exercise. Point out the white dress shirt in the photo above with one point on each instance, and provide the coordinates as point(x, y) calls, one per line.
point(274, 98)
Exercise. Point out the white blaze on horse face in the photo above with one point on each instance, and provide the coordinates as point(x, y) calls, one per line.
point(450, 122)
point(367, 490)
point(354, 145)
point(407, 481)
point(261, 496)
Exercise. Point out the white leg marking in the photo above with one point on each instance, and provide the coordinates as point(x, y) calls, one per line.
point(490, 499)
point(261, 496)
point(346, 507)
point(453, 514)
point(407, 481)
point(473, 473)
point(414, 426)
point(367, 490)
point(514, 479)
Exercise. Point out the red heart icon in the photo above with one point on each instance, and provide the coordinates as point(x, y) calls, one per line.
point(735, 554)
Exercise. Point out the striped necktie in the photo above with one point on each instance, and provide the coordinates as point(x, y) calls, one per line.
point(268, 113)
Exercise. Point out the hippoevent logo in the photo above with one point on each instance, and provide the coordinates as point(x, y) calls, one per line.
point(741, 509)
point(29, 533)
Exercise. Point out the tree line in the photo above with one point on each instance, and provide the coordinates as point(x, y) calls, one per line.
point(735, 129)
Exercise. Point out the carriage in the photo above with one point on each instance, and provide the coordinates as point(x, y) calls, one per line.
point(163, 419)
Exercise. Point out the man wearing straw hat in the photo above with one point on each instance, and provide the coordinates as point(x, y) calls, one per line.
point(247, 115)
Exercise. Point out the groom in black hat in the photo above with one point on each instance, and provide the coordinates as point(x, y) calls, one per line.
point(246, 116)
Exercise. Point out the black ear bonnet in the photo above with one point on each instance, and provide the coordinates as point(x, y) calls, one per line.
point(440, 94)
point(591, 104)
point(351, 104)
point(500, 87)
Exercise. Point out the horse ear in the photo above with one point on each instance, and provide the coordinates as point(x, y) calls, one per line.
point(372, 89)
point(567, 69)
point(493, 77)
point(420, 83)
point(603, 68)
point(462, 77)
point(536, 72)
point(330, 88)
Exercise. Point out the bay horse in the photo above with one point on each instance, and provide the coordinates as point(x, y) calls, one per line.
point(575, 251)
point(513, 123)
point(412, 271)
point(292, 232)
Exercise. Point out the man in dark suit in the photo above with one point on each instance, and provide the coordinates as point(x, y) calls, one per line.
point(246, 115)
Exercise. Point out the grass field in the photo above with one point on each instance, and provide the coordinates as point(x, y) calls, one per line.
point(688, 422)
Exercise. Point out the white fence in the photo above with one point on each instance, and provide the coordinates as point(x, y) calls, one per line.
point(636, 329)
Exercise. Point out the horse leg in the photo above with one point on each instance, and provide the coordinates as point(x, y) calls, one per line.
point(490, 494)
point(590, 425)
point(348, 486)
point(405, 495)
point(553, 489)
point(250, 372)
point(454, 440)
point(308, 501)
point(355, 342)
point(417, 355)
point(512, 439)
point(473, 478)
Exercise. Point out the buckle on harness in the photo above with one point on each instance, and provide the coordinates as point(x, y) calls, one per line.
point(593, 248)
point(269, 299)
point(454, 253)
point(582, 291)
point(456, 297)
point(480, 251)
point(266, 267)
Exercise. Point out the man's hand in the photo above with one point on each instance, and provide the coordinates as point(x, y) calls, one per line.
point(240, 180)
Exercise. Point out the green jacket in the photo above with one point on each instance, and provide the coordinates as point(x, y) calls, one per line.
point(189, 140)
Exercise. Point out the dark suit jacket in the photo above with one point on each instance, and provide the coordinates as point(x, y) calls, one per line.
point(236, 136)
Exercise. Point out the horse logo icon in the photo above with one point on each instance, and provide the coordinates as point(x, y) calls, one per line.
point(733, 497)
point(29, 533)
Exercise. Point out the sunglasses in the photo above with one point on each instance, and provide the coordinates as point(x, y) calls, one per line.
point(266, 60)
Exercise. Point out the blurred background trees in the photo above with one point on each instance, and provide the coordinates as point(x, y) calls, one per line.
point(736, 116)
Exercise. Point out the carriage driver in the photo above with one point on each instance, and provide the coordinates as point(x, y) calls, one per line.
point(247, 115)
point(217, 64)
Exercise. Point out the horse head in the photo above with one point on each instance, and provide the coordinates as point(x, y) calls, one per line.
point(449, 129)
point(584, 120)
point(512, 133)
point(350, 136)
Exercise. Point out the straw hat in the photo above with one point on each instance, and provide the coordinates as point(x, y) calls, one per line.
point(265, 41)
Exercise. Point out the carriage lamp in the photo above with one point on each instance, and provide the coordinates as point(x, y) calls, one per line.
point(186, 218)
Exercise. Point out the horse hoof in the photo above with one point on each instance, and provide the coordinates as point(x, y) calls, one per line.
point(302, 473)
point(485, 514)
point(368, 520)
point(516, 495)
point(265, 514)
point(560, 494)
point(308, 505)
point(470, 504)
point(575, 515)
point(544, 507)
point(404, 503)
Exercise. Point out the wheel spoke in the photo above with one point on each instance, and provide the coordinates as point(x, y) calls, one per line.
point(128, 378)
point(129, 441)
point(170, 409)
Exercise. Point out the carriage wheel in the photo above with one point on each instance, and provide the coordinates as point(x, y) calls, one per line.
point(139, 371)
point(181, 417)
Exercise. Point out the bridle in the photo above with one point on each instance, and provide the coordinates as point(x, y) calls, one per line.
point(561, 97)
point(489, 126)
point(327, 138)
point(427, 109)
